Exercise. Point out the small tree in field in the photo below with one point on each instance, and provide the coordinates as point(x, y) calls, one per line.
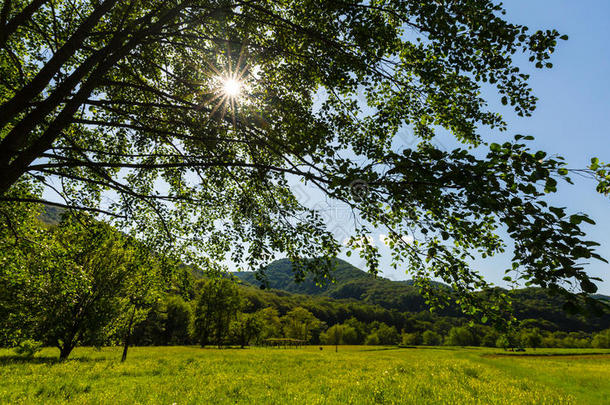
point(333, 336)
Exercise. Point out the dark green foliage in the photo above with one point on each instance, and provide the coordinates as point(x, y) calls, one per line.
point(490, 338)
point(178, 320)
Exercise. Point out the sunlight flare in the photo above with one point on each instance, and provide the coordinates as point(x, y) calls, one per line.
point(231, 87)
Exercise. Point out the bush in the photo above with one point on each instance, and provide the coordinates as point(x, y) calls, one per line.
point(28, 348)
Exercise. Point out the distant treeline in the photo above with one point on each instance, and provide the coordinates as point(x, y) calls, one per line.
point(252, 316)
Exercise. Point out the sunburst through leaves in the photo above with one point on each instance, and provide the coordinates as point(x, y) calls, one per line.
point(230, 87)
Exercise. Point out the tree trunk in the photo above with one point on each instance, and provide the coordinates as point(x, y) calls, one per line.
point(128, 335)
point(65, 351)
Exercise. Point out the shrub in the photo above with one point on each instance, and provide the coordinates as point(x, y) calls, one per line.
point(28, 348)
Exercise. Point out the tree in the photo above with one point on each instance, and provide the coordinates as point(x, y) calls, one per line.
point(178, 320)
point(143, 286)
point(506, 340)
point(531, 338)
point(76, 283)
point(388, 335)
point(299, 323)
point(196, 114)
point(350, 336)
point(245, 328)
point(217, 306)
point(272, 326)
point(601, 340)
point(360, 329)
point(431, 338)
point(460, 336)
point(410, 339)
point(372, 339)
point(333, 336)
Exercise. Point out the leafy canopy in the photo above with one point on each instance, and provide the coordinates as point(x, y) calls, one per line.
point(122, 108)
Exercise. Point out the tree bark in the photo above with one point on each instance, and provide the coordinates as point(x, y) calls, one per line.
point(65, 351)
point(128, 335)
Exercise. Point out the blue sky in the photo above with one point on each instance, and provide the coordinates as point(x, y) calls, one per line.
point(572, 118)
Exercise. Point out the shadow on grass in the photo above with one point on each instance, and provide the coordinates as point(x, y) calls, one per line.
point(14, 359)
point(378, 349)
point(508, 355)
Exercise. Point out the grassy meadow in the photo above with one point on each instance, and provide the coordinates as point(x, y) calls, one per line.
point(354, 375)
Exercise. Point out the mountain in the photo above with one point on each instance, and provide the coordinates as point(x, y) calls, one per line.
point(280, 277)
point(349, 283)
point(51, 215)
point(533, 304)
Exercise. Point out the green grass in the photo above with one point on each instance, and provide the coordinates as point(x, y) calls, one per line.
point(357, 374)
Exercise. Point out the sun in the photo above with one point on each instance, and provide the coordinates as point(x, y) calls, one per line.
point(231, 87)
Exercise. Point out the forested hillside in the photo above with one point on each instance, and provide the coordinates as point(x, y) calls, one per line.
point(351, 283)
